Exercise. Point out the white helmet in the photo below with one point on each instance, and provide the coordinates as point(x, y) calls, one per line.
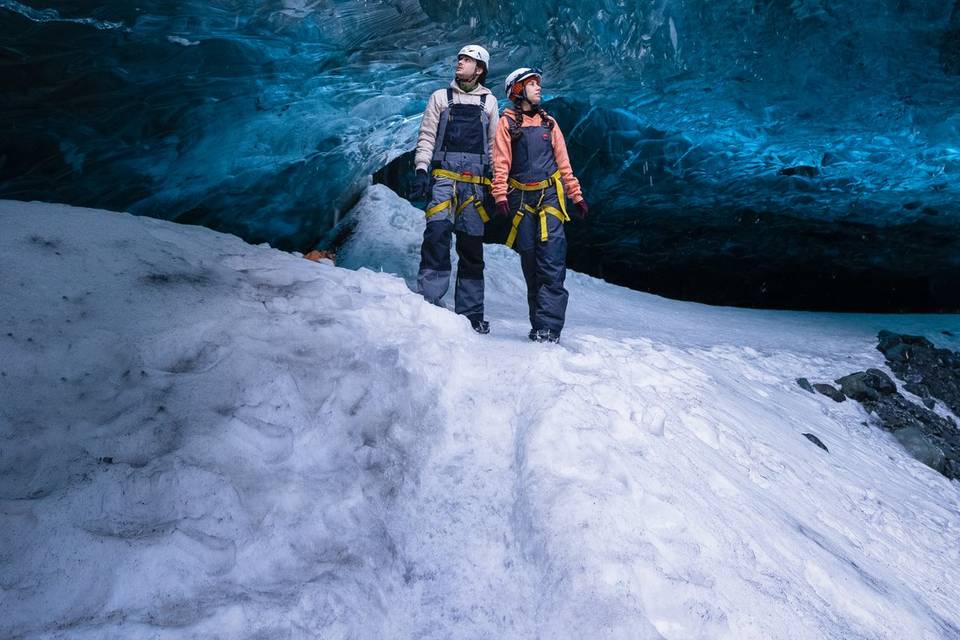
point(513, 85)
point(478, 53)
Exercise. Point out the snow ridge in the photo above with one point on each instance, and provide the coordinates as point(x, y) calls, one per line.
point(202, 438)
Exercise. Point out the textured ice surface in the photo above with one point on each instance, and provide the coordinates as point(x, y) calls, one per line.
point(708, 133)
point(204, 438)
point(259, 118)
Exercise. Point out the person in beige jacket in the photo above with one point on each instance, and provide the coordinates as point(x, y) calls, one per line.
point(454, 146)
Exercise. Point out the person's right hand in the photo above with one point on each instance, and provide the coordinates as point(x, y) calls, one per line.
point(420, 186)
point(503, 209)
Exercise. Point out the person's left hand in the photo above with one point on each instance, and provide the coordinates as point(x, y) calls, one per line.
point(582, 209)
point(420, 186)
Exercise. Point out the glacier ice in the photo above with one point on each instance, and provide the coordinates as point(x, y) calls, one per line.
point(724, 145)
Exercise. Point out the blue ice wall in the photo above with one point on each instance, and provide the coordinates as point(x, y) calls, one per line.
point(730, 143)
point(262, 119)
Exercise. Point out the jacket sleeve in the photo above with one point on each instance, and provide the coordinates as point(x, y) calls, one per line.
point(502, 159)
point(428, 133)
point(493, 114)
point(570, 183)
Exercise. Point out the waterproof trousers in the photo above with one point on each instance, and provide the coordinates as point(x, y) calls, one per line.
point(433, 281)
point(544, 264)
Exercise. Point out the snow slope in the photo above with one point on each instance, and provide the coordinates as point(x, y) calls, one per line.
point(203, 438)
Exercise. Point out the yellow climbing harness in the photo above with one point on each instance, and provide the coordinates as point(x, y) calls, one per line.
point(541, 209)
point(453, 202)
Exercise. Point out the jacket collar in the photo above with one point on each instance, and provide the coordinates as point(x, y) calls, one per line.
point(479, 90)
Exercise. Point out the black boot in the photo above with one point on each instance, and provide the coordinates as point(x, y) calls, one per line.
point(544, 335)
point(480, 325)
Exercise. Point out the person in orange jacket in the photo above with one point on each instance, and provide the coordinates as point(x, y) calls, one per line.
point(532, 178)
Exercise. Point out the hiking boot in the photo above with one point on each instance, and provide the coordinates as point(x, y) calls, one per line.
point(480, 326)
point(544, 335)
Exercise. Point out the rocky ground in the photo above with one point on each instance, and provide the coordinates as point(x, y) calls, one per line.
point(927, 373)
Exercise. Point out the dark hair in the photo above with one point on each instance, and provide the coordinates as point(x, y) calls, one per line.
point(483, 74)
point(545, 120)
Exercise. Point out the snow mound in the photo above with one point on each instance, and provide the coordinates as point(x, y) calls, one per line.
point(203, 438)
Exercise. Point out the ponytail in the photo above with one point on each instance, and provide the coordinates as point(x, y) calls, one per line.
point(515, 132)
point(545, 121)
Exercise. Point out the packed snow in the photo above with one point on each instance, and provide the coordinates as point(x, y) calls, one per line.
point(204, 438)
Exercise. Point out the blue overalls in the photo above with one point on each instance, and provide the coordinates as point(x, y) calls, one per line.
point(536, 197)
point(461, 170)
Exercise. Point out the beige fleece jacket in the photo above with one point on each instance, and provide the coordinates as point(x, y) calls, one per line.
point(431, 119)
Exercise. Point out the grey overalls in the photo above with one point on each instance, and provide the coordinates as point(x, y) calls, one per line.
point(461, 173)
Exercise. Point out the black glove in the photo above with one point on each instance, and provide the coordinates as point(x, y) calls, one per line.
point(420, 186)
point(503, 209)
point(582, 209)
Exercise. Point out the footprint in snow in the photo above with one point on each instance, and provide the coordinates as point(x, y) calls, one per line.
point(653, 420)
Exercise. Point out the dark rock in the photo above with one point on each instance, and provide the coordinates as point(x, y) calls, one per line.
point(917, 389)
point(947, 333)
point(867, 385)
point(921, 448)
point(922, 392)
point(930, 438)
point(917, 361)
point(834, 394)
point(805, 385)
point(927, 372)
point(815, 440)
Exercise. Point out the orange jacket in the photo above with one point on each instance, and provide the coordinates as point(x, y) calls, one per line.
point(503, 157)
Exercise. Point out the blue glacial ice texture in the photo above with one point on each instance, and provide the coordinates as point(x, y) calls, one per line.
point(262, 119)
point(266, 118)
